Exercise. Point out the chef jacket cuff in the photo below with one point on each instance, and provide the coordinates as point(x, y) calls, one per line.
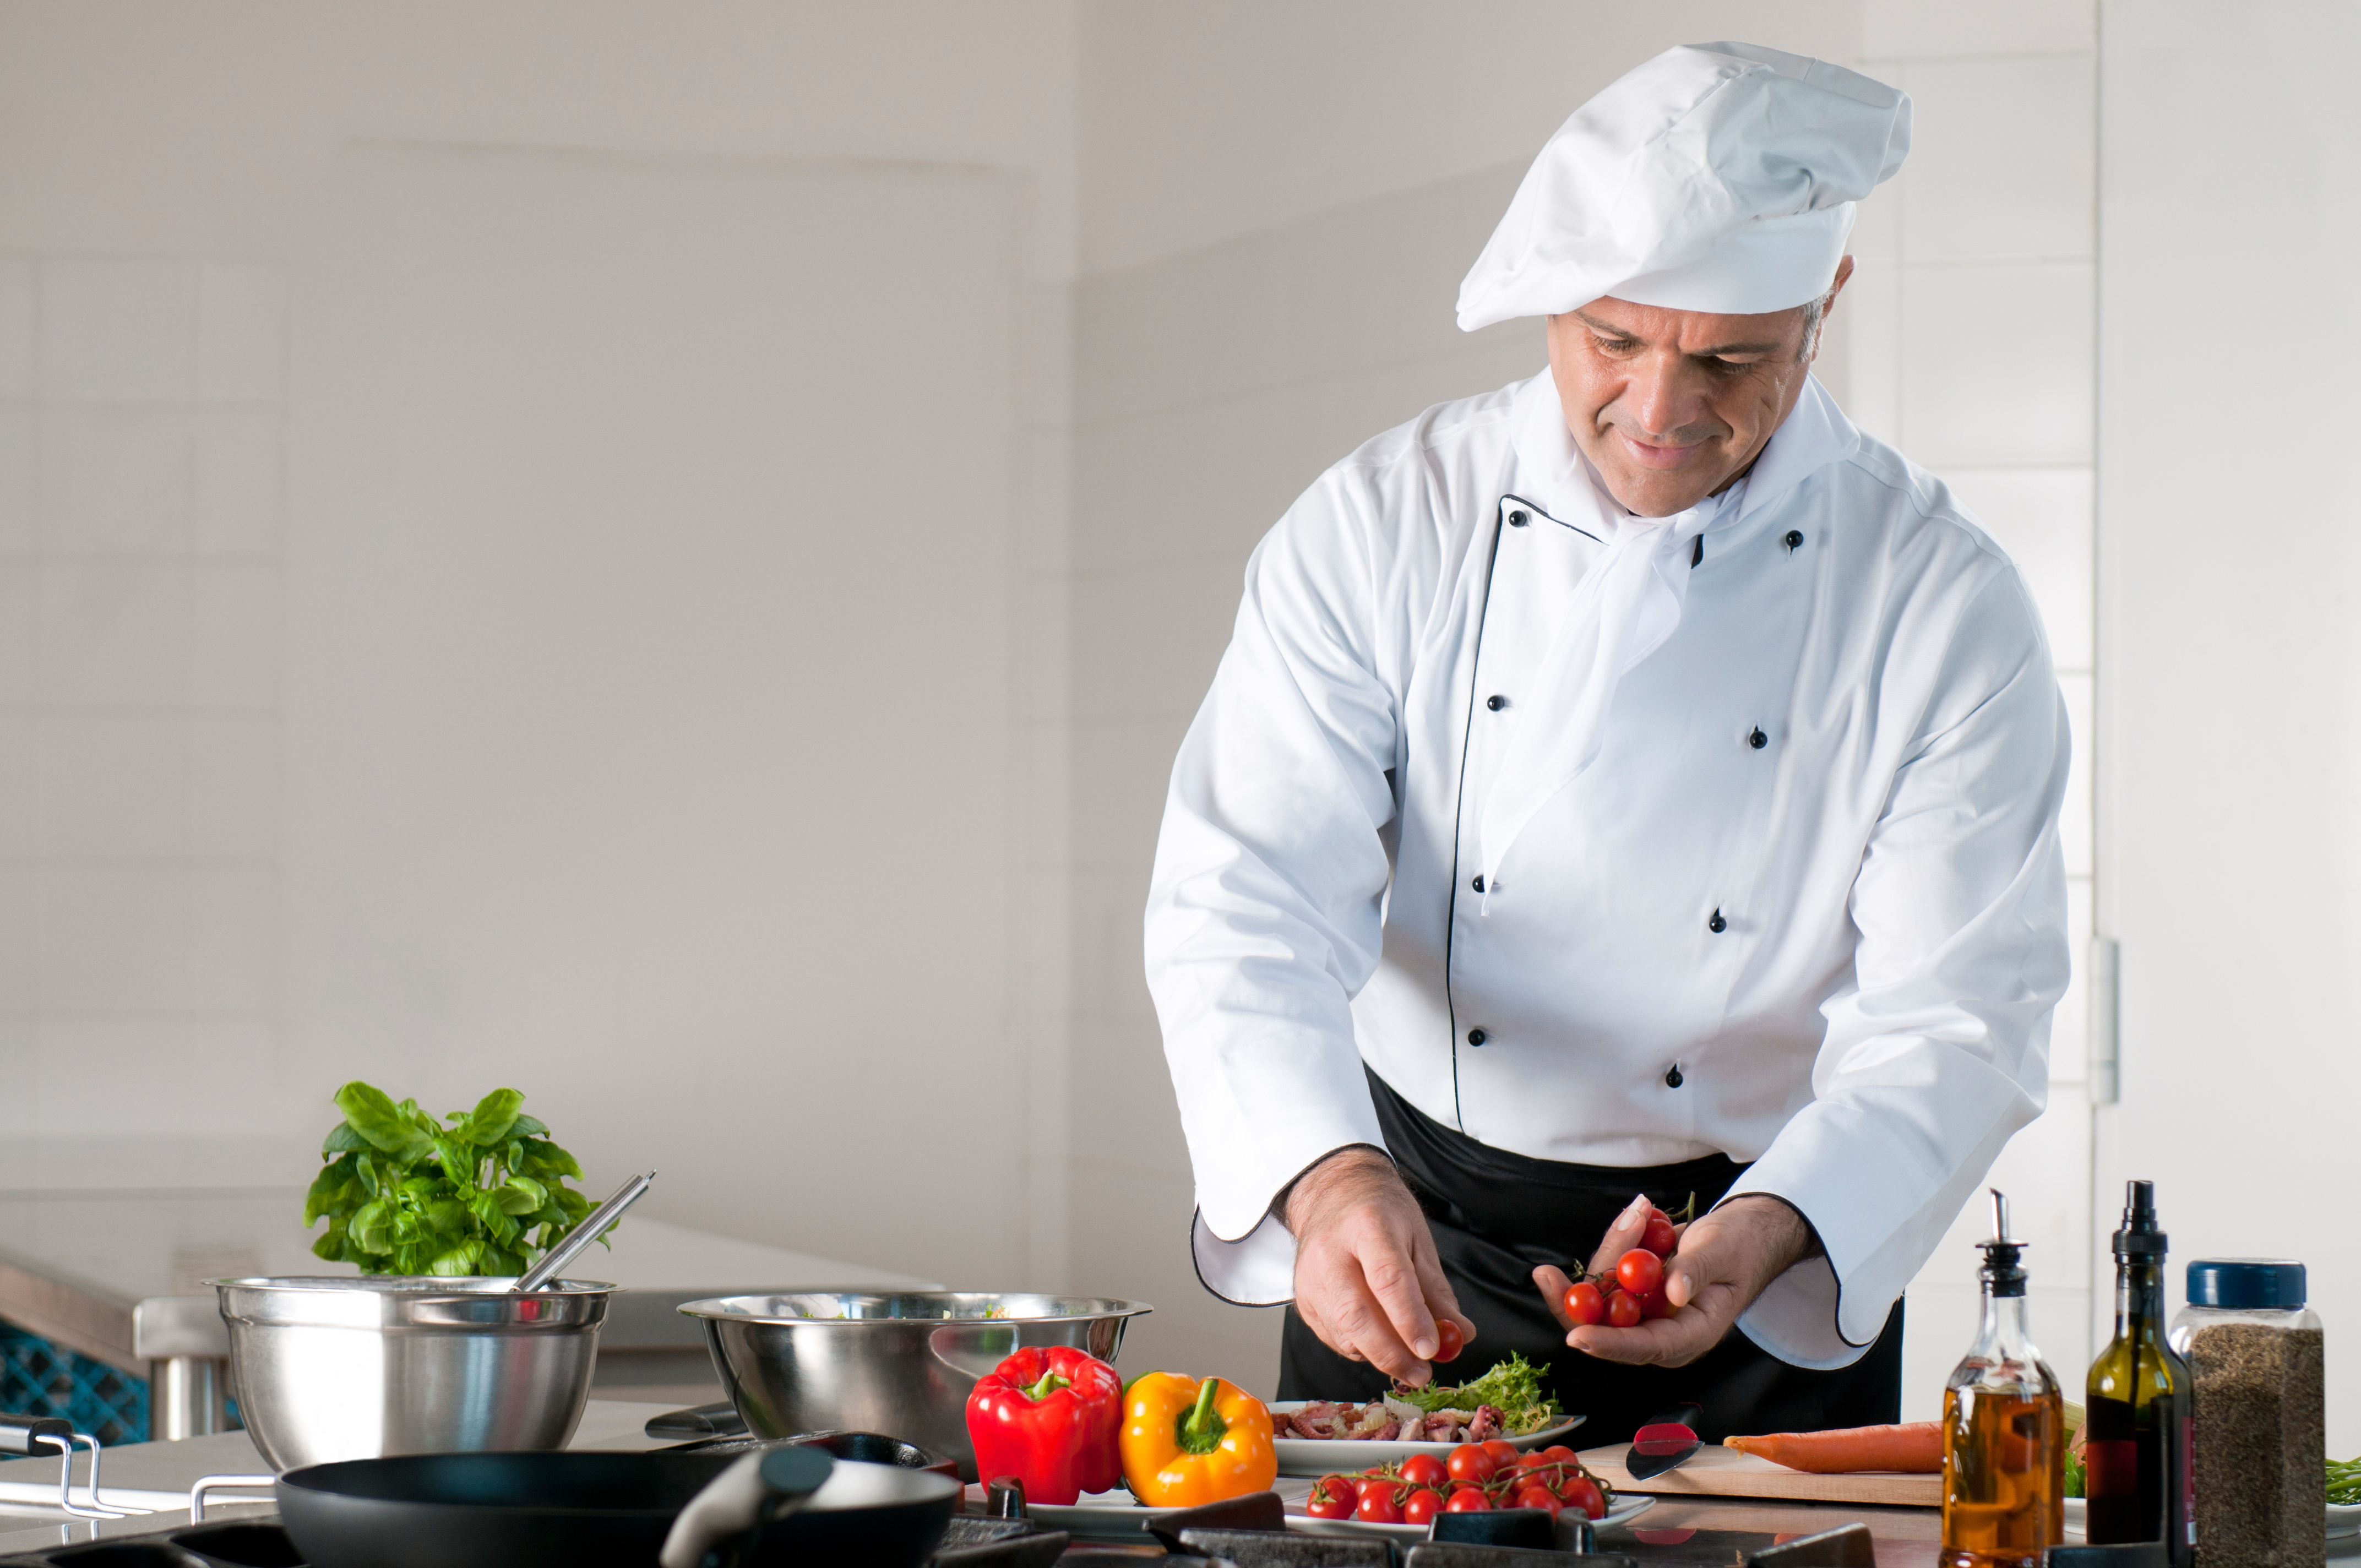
point(1794, 1319)
point(1257, 1270)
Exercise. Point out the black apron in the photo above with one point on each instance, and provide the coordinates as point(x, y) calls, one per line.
point(1497, 1216)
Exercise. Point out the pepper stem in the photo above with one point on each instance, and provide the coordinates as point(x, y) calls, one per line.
point(1203, 1427)
point(1050, 1384)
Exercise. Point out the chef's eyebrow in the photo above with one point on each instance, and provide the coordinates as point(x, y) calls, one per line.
point(1717, 351)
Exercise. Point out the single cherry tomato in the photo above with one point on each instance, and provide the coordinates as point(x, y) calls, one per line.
point(1377, 1505)
point(1470, 1465)
point(1660, 1238)
point(1334, 1497)
point(1585, 1302)
point(1539, 1497)
point(1468, 1500)
point(1372, 1480)
point(1622, 1310)
point(1639, 1271)
point(1453, 1340)
point(1503, 1452)
point(1421, 1506)
point(1530, 1462)
point(1582, 1492)
point(1558, 1452)
point(1424, 1470)
point(1656, 1304)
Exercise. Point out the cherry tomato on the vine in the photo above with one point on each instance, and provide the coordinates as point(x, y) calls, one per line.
point(1468, 1500)
point(1622, 1310)
point(1639, 1271)
point(1585, 1302)
point(1421, 1506)
point(1377, 1505)
point(1471, 1465)
point(1560, 1453)
point(1659, 1238)
point(1424, 1470)
point(1582, 1492)
point(1452, 1340)
point(1333, 1498)
point(1656, 1304)
point(1503, 1452)
point(1537, 1495)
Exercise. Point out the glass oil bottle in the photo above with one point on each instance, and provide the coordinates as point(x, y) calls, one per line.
point(2004, 1430)
point(2137, 1447)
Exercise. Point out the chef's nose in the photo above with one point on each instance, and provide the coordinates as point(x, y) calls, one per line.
point(1665, 396)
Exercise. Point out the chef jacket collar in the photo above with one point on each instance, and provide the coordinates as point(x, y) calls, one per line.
point(1552, 473)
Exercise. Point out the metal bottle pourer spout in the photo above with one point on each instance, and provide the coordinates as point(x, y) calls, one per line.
point(2003, 1272)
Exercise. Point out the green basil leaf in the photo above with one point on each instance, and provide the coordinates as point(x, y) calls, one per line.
point(375, 1117)
point(529, 1127)
point(365, 1166)
point(368, 1228)
point(494, 1114)
point(557, 1161)
point(326, 1188)
point(448, 1216)
point(458, 1260)
point(342, 1139)
point(330, 1246)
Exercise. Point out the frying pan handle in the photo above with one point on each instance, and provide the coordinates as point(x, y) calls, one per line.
point(723, 1520)
point(23, 1435)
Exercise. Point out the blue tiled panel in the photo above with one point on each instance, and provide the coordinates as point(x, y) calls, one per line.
point(38, 1378)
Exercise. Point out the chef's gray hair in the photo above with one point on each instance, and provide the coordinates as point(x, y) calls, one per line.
point(1814, 315)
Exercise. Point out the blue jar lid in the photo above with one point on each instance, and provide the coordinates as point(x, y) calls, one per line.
point(2245, 1282)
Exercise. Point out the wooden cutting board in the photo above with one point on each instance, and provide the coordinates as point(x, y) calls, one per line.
point(1719, 1472)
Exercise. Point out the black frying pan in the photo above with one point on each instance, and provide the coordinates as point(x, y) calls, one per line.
point(588, 1510)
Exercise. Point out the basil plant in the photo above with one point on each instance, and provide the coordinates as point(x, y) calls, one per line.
point(480, 1192)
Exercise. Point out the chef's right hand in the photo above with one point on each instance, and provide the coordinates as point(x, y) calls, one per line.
point(1367, 1281)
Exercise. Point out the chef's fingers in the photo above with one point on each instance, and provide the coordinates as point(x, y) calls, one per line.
point(1436, 1289)
point(1393, 1276)
point(1622, 1235)
point(1660, 1342)
point(1551, 1282)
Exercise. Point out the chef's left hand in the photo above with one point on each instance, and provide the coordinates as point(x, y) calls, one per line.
point(1723, 1262)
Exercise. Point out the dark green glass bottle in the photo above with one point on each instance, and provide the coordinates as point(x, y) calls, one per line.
point(2137, 1449)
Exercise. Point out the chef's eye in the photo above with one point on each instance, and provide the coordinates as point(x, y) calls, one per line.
point(1615, 344)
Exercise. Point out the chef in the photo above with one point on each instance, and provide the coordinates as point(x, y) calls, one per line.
point(1632, 786)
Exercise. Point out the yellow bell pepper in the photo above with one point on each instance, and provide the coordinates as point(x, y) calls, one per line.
point(1184, 1443)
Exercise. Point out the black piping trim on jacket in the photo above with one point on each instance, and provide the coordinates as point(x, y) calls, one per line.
point(1521, 500)
point(1459, 795)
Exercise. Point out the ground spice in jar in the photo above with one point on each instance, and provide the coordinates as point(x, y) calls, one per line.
point(2260, 1484)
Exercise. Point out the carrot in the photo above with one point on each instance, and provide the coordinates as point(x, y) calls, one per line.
point(1916, 1447)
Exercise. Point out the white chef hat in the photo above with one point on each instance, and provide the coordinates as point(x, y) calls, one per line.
point(1716, 176)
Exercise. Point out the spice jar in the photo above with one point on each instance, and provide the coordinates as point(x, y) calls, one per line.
point(2260, 1480)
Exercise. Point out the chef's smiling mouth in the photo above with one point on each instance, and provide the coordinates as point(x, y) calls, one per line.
point(1656, 457)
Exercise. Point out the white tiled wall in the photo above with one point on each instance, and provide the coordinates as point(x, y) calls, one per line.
point(139, 629)
point(1972, 349)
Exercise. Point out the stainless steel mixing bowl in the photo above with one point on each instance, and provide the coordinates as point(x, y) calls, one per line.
point(357, 1366)
point(898, 1363)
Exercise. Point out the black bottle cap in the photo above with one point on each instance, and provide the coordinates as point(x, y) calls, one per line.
point(2003, 1272)
point(2139, 1240)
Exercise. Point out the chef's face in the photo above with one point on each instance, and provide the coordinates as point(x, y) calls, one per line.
point(1672, 406)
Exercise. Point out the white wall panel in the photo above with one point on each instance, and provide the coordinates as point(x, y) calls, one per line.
point(2003, 158)
point(650, 720)
point(1996, 365)
point(2042, 517)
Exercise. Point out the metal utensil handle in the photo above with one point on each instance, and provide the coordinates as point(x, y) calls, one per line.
point(222, 1484)
point(583, 1234)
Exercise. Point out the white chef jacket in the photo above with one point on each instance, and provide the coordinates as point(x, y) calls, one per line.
point(1815, 865)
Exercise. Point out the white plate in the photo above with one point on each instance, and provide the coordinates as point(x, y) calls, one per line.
point(1316, 1456)
point(1118, 1512)
point(2344, 1519)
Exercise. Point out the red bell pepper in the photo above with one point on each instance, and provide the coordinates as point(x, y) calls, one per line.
point(1048, 1417)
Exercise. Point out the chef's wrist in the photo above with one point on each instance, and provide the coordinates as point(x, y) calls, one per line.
point(1784, 1230)
point(1357, 1169)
